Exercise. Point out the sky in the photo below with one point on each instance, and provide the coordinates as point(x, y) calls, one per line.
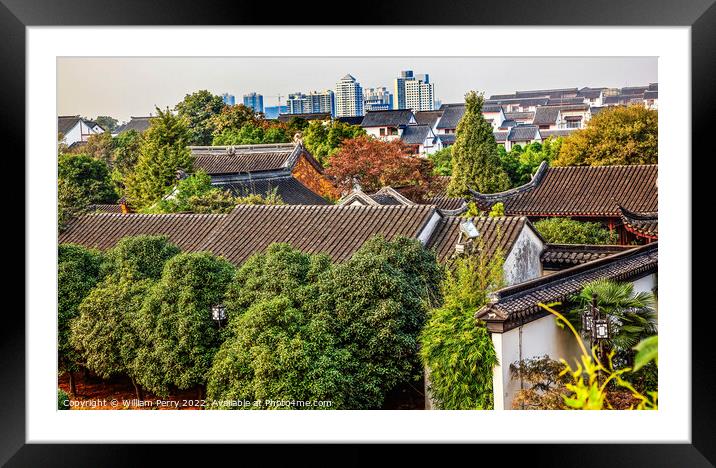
point(122, 87)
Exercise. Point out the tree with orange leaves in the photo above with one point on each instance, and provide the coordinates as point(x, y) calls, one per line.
point(372, 164)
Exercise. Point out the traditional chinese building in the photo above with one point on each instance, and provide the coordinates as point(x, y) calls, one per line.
point(622, 198)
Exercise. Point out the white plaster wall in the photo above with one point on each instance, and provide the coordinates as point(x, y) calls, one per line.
point(534, 339)
point(523, 262)
point(73, 135)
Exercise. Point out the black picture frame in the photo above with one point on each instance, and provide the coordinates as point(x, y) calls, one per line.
point(700, 15)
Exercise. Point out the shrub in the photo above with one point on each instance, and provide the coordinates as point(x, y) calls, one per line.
point(457, 352)
point(63, 400)
point(568, 231)
point(139, 257)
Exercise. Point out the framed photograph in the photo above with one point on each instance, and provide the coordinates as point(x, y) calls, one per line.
point(439, 225)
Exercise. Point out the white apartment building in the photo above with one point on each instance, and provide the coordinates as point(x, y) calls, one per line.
point(349, 97)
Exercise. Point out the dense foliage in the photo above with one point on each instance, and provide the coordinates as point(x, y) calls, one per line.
point(373, 164)
point(616, 135)
point(475, 160)
point(280, 345)
point(63, 400)
point(125, 153)
point(104, 334)
point(109, 124)
point(323, 139)
point(81, 181)
point(378, 319)
point(458, 353)
point(543, 384)
point(569, 231)
point(520, 164)
point(198, 111)
point(175, 336)
point(162, 152)
point(78, 271)
point(442, 161)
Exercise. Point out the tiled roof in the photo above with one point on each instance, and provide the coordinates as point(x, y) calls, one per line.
point(447, 203)
point(523, 133)
point(292, 191)
point(579, 191)
point(350, 120)
point(447, 138)
point(642, 224)
point(546, 116)
point(335, 230)
point(651, 94)
point(561, 256)
point(222, 160)
point(520, 101)
point(487, 109)
point(105, 208)
point(566, 101)
point(557, 133)
point(520, 115)
point(452, 113)
point(387, 118)
point(634, 90)
point(507, 308)
point(416, 134)
point(390, 196)
point(590, 93)
point(556, 92)
point(507, 123)
point(139, 124)
point(495, 233)
point(65, 123)
point(500, 136)
point(104, 230)
point(312, 116)
point(427, 117)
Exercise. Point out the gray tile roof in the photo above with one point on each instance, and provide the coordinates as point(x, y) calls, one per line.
point(335, 230)
point(642, 224)
point(65, 123)
point(223, 160)
point(500, 136)
point(416, 134)
point(387, 118)
point(350, 120)
point(139, 124)
point(452, 113)
point(448, 138)
point(507, 123)
point(651, 94)
point(292, 191)
point(509, 307)
point(520, 115)
point(427, 117)
point(546, 116)
point(312, 116)
point(561, 256)
point(523, 133)
point(495, 233)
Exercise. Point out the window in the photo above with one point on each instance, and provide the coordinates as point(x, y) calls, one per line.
point(573, 124)
point(382, 132)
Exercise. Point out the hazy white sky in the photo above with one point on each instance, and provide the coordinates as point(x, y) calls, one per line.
point(122, 87)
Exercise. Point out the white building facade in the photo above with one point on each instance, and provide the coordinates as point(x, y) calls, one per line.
point(348, 97)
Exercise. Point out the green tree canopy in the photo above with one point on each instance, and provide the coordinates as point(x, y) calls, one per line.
point(379, 317)
point(162, 152)
point(198, 110)
point(616, 135)
point(78, 271)
point(109, 124)
point(520, 164)
point(81, 181)
point(139, 257)
point(280, 347)
point(177, 338)
point(125, 153)
point(233, 118)
point(475, 160)
point(323, 139)
point(569, 231)
point(442, 161)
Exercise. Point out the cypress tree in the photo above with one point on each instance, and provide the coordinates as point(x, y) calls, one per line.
point(475, 160)
point(162, 152)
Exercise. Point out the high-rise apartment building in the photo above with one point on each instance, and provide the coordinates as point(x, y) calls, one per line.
point(349, 97)
point(228, 99)
point(414, 92)
point(375, 99)
point(311, 103)
point(254, 101)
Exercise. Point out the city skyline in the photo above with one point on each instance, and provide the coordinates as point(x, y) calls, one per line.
point(132, 86)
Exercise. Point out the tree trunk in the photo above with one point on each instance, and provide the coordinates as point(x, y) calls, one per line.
point(73, 387)
point(201, 396)
point(138, 390)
